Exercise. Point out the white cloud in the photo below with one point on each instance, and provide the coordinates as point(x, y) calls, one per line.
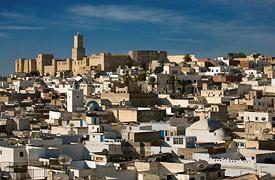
point(20, 28)
point(127, 13)
point(15, 16)
point(2, 34)
point(183, 40)
point(238, 2)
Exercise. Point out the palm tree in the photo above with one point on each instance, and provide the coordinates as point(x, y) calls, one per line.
point(172, 80)
point(187, 58)
point(183, 84)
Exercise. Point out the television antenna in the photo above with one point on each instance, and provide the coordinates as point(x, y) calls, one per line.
point(71, 132)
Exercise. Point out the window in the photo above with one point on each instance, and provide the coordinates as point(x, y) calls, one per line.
point(190, 140)
point(167, 139)
point(192, 178)
point(21, 154)
point(273, 118)
point(171, 134)
point(219, 174)
point(178, 140)
point(202, 178)
point(256, 118)
point(0, 152)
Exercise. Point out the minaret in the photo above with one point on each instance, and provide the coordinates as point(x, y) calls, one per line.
point(78, 52)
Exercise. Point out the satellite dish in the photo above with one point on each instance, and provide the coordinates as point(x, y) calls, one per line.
point(78, 115)
point(25, 134)
point(71, 132)
point(266, 130)
point(200, 165)
point(36, 135)
point(23, 141)
point(60, 176)
point(12, 142)
point(3, 135)
point(105, 151)
point(64, 159)
point(79, 178)
point(109, 164)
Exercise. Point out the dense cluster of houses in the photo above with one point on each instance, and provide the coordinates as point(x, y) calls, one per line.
point(154, 117)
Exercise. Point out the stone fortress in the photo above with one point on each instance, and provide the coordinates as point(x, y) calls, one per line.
point(46, 64)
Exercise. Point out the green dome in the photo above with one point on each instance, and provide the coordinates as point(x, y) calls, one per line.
point(92, 104)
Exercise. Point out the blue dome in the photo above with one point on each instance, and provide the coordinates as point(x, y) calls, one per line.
point(92, 104)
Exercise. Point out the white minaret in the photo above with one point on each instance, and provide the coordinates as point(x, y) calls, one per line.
point(75, 99)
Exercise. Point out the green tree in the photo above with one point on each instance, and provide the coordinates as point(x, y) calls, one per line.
point(127, 79)
point(172, 80)
point(183, 84)
point(187, 58)
point(152, 81)
point(141, 77)
point(34, 73)
point(236, 55)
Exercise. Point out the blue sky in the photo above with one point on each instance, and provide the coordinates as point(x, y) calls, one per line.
point(207, 28)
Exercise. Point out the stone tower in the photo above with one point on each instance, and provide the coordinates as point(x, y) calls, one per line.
point(78, 52)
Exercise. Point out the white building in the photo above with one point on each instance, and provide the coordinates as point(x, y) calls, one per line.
point(208, 130)
point(180, 141)
point(241, 161)
point(259, 116)
point(214, 70)
point(171, 69)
